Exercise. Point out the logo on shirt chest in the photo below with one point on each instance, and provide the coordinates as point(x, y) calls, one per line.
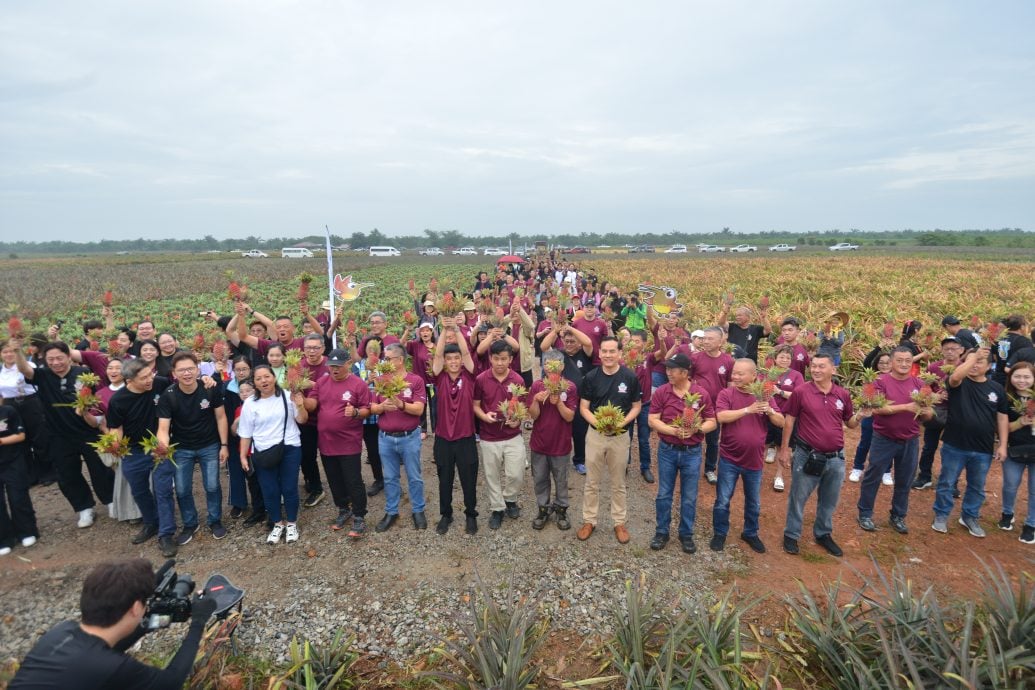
point(346, 396)
point(622, 388)
point(459, 384)
point(839, 405)
point(750, 337)
point(993, 398)
point(564, 396)
point(3, 425)
point(722, 370)
point(156, 398)
point(787, 382)
point(596, 329)
point(204, 404)
point(579, 364)
point(407, 393)
point(800, 357)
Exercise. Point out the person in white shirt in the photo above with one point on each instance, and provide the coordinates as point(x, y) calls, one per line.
point(21, 395)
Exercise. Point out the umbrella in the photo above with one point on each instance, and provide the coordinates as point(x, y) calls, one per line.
point(510, 259)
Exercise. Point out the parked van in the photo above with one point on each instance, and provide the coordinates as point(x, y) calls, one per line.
point(384, 251)
point(295, 253)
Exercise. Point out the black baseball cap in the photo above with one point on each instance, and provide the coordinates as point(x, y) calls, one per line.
point(678, 361)
point(950, 321)
point(952, 339)
point(338, 357)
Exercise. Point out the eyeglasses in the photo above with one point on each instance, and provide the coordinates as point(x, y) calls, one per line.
point(191, 370)
point(313, 348)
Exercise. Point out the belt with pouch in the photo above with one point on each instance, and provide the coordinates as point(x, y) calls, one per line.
point(810, 450)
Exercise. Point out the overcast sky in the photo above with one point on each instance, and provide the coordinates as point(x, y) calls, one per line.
point(129, 119)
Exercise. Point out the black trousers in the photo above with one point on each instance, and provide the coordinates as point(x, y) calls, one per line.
point(310, 470)
point(932, 435)
point(579, 427)
point(373, 452)
point(68, 455)
point(452, 458)
point(345, 478)
point(429, 418)
point(37, 456)
point(17, 518)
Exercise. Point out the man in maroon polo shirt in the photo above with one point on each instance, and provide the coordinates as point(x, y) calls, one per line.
point(712, 369)
point(378, 329)
point(398, 441)
point(283, 328)
point(315, 363)
point(896, 441)
point(745, 423)
point(551, 444)
point(503, 450)
point(790, 330)
point(815, 417)
point(455, 449)
point(594, 327)
point(343, 401)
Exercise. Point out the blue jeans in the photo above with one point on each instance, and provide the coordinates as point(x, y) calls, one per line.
point(281, 484)
point(398, 452)
point(136, 468)
point(865, 439)
point(752, 481)
point(828, 487)
point(643, 436)
point(686, 462)
point(954, 462)
point(1013, 473)
point(163, 479)
point(208, 458)
point(657, 379)
point(883, 453)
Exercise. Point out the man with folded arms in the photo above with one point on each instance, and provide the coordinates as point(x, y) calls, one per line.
point(611, 383)
point(343, 401)
point(745, 424)
point(896, 441)
point(818, 410)
point(679, 449)
point(398, 419)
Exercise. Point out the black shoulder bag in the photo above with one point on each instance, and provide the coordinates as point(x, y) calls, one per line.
point(270, 458)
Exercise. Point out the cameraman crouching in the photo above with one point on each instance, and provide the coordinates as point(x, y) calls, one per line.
point(90, 654)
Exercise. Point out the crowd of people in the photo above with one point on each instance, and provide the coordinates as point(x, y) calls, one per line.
point(541, 367)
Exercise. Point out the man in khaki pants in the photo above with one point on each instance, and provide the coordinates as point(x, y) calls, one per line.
point(614, 384)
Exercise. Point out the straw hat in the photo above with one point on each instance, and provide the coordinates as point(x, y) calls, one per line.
point(842, 316)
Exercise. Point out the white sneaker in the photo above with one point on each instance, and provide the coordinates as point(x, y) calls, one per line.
point(85, 518)
point(29, 541)
point(887, 479)
point(292, 533)
point(275, 534)
point(778, 484)
point(4, 550)
point(770, 456)
point(855, 475)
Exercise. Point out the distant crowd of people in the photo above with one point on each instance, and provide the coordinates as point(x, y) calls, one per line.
point(541, 367)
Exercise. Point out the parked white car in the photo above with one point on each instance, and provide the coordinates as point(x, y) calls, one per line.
point(254, 254)
point(843, 247)
point(744, 248)
point(295, 253)
point(432, 251)
point(710, 249)
point(494, 251)
point(465, 251)
point(676, 249)
point(782, 248)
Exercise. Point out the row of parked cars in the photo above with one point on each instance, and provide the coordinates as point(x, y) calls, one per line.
point(740, 248)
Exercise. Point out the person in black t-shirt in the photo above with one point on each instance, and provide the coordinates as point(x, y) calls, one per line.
point(70, 433)
point(977, 414)
point(1020, 448)
point(578, 361)
point(742, 332)
point(17, 518)
point(194, 419)
point(615, 384)
point(90, 654)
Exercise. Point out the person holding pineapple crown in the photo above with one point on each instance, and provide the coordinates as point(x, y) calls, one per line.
point(553, 400)
point(742, 332)
point(682, 414)
point(499, 402)
point(610, 399)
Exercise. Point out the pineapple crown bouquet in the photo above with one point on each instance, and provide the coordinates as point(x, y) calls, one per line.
point(111, 447)
point(296, 377)
point(85, 397)
point(689, 422)
point(387, 382)
point(610, 420)
point(763, 390)
point(513, 409)
point(553, 377)
point(150, 445)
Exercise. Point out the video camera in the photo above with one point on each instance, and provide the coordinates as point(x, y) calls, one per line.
point(171, 600)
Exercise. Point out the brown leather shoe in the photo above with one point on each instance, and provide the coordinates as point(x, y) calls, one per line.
point(621, 534)
point(584, 531)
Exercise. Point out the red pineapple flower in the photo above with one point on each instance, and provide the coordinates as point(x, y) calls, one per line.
point(15, 329)
point(235, 291)
point(303, 287)
point(869, 390)
point(350, 328)
point(975, 322)
point(108, 298)
point(199, 342)
point(763, 303)
point(992, 332)
point(889, 330)
point(412, 285)
point(769, 387)
point(433, 286)
point(219, 350)
point(114, 347)
point(94, 346)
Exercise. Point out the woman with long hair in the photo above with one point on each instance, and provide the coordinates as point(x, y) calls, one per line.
point(268, 418)
point(1020, 448)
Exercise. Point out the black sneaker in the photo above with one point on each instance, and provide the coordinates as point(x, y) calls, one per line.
point(167, 546)
point(867, 524)
point(358, 529)
point(718, 542)
point(899, 524)
point(186, 534)
point(828, 543)
point(754, 542)
point(218, 531)
point(386, 522)
point(344, 515)
point(236, 513)
point(1005, 523)
point(472, 525)
point(513, 510)
point(443, 525)
point(420, 521)
point(145, 534)
point(647, 475)
point(541, 519)
point(255, 518)
point(496, 520)
point(314, 498)
point(1028, 534)
point(375, 488)
point(688, 544)
point(658, 542)
point(791, 546)
point(922, 483)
